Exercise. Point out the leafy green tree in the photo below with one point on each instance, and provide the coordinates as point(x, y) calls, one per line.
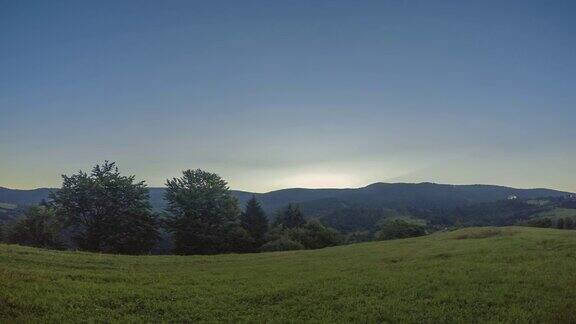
point(396, 229)
point(560, 223)
point(204, 216)
point(38, 227)
point(276, 232)
point(255, 222)
point(314, 235)
point(236, 239)
point(290, 217)
point(107, 212)
point(291, 225)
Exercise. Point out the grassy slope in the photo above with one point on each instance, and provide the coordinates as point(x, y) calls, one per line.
point(510, 274)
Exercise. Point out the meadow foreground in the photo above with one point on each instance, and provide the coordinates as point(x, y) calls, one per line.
point(511, 274)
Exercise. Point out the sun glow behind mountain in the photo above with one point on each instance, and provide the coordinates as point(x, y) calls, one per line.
point(276, 94)
point(320, 180)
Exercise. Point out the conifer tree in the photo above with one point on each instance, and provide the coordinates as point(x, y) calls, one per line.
point(290, 217)
point(255, 222)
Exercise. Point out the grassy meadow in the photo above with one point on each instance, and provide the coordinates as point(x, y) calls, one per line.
point(512, 274)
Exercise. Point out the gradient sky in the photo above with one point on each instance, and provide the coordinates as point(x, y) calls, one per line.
point(275, 94)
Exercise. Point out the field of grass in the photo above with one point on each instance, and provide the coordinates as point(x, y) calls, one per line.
point(510, 274)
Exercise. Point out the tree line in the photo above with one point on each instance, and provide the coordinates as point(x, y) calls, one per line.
point(560, 223)
point(105, 211)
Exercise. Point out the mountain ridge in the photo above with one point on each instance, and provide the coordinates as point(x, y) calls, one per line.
point(378, 194)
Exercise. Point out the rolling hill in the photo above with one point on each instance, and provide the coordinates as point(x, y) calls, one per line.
point(319, 201)
point(23, 197)
point(513, 274)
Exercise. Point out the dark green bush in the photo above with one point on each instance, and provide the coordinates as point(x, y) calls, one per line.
point(38, 227)
point(540, 222)
point(282, 244)
point(398, 228)
point(314, 235)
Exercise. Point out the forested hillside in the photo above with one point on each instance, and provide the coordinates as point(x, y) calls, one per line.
point(317, 201)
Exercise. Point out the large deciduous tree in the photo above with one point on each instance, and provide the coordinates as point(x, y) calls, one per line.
point(204, 216)
point(108, 212)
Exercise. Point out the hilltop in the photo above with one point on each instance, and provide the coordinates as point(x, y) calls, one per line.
point(511, 274)
point(314, 201)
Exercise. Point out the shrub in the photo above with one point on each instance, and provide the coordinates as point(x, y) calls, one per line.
point(397, 229)
point(314, 235)
point(560, 223)
point(282, 244)
point(39, 227)
point(540, 222)
point(359, 236)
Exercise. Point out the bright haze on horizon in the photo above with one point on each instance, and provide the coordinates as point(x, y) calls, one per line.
point(276, 94)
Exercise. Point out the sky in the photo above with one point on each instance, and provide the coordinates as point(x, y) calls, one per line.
point(277, 94)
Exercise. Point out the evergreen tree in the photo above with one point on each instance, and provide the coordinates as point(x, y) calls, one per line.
point(106, 211)
point(204, 216)
point(255, 222)
point(290, 217)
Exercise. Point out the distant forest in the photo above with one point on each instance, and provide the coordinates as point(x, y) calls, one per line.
point(105, 211)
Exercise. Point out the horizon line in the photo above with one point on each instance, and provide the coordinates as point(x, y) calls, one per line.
point(341, 188)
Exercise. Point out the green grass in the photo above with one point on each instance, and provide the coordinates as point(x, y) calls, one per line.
point(471, 275)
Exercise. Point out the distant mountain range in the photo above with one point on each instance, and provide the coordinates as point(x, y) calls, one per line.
point(321, 201)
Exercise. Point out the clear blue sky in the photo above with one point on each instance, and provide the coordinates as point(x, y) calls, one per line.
point(274, 94)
